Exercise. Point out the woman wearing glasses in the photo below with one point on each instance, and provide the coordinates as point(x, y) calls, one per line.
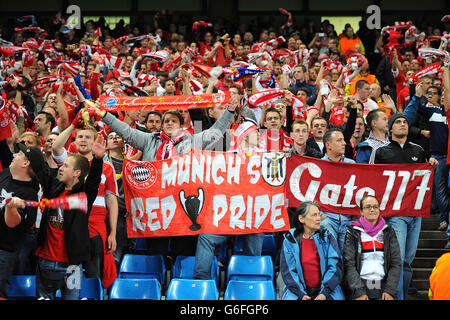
point(372, 262)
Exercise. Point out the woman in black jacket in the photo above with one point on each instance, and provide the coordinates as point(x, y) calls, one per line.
point(372, 262)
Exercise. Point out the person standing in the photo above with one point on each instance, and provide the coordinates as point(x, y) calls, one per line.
point(63, 238)
point(336, 223)
point(15, 218)
point(377, 122)
point(407, 229)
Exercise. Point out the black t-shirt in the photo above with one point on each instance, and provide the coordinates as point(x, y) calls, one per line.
point(118, 164)
point(11, 239)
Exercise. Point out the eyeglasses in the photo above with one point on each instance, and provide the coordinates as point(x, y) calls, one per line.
point(371, 208)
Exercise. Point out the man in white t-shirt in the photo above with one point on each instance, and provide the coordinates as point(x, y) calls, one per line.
point(362, 94)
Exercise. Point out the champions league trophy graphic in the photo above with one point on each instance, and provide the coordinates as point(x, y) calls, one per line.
point(192, 206)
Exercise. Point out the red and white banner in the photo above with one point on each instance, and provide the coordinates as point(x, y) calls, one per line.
point(206, 192)
point(402, 189)
point(124, 103)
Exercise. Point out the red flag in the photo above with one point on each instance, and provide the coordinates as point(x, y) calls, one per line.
point(5, 129)
point(8, 50)
point(98, 32)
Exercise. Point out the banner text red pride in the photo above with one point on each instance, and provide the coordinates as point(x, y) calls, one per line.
point(206, 192)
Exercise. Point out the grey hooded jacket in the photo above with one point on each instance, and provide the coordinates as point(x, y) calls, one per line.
point(149, 143)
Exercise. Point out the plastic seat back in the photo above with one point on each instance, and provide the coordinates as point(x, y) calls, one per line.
point(135, 289)
point(183, 268)
point(22, 287)
point(250, 290)
point(192, 289)
point(91, 289)
point(136, 266)
point(250, 268)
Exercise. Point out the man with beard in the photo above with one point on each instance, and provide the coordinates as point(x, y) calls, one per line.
point(153, 121)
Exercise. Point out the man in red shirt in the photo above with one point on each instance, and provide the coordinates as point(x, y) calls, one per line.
point(63, 239)
point(105, 205)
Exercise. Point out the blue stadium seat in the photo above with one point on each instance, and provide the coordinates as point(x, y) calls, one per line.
point(190, 289)
point(183, 268)
point(135, 289)
point(140, 246)
point(91, 289)
point(136, 266)
point(250, 290)
point(269, 246)
point(238, 246)
point(250, 268)
point(22, 287)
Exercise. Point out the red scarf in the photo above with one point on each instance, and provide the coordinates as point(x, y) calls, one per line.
point(167, 148)
point(275, 141)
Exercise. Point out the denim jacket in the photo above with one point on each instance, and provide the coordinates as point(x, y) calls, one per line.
point(331, 266)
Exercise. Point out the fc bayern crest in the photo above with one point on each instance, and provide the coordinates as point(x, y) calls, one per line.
point(141, 175)
point(111, 103)
point(273, 168)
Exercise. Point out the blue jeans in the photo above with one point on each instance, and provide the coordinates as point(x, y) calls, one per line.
point(7, 261)
point(337, 228)
point(206, 244)
point(54, 275)
point(26, 262)
point(440, 186)
point(407, 230)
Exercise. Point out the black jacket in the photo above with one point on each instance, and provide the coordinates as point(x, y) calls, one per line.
point(309, 152)
point(12, 239)
point(75, 221)
point(394, 153)
point(352, 262)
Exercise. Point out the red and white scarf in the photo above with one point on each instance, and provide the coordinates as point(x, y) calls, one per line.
point(275, 141)
point(430, 69)
point(167, 149)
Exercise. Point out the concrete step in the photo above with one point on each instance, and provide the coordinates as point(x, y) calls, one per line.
point(422, 273)
point(420, 295)
point(420, 284)
point(421, 262)
point(431, 234)
point(432, 243)
point(431, 223)
point(431, 252)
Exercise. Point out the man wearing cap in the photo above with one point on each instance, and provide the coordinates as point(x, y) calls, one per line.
point(15, 219)
point(401, 150)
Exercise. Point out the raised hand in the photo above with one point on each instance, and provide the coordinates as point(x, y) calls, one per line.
point(99, 146)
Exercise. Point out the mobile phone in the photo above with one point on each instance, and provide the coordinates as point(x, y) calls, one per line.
point(321, 34)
